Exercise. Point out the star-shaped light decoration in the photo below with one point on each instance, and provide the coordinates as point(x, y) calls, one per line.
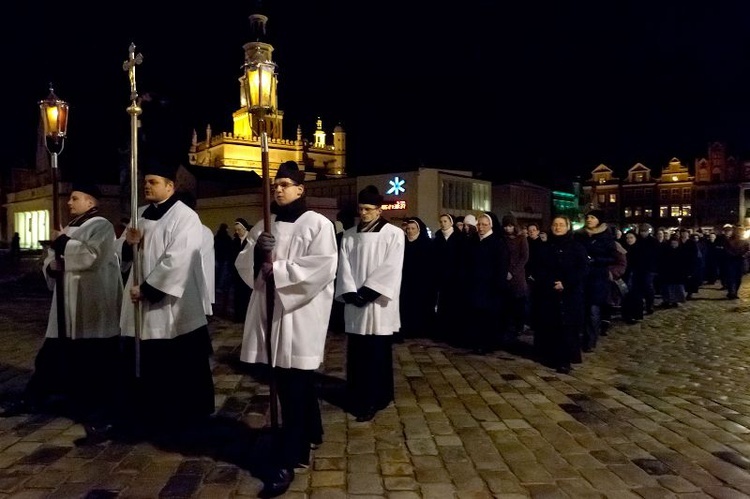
point(397, 186)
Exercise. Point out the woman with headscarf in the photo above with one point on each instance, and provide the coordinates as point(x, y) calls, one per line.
point(447, 265)
point(417, 297)
point(486, 263)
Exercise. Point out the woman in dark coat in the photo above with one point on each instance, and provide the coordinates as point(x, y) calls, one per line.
point(559, 289)
point(447, 269)
point(486, 264)
point(417, 298)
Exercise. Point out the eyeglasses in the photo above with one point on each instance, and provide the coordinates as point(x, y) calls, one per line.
point(283, 185)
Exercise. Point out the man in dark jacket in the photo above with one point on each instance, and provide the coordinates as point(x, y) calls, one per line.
point(600, 247)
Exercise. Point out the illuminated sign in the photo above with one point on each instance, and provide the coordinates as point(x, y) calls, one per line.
point(397, 186)
point(397, 205)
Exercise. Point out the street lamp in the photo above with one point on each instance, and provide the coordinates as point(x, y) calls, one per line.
point(260, 94)
point(54, 114)
point(55, 121)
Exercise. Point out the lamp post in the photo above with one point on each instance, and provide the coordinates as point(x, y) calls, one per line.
point(54, 115)
point(260, 92)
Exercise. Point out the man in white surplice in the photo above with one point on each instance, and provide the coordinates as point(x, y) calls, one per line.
point(369, 283)
point(302, 246)
point(80, 364)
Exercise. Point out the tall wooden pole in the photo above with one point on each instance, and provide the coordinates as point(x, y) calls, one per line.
point(62, 327)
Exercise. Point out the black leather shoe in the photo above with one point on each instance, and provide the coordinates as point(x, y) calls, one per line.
point(95, 434)
point(277, 482)
point(366, 415)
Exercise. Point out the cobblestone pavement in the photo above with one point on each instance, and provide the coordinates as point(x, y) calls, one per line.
point(660, 409)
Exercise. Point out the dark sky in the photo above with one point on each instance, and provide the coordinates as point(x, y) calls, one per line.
point(497, 87)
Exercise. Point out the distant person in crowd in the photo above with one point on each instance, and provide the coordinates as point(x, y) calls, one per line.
point(15, 247)
point(651, 249)
point(536, 247)
point(559, 282)
point(712, 260)
point(486, 261)
point(736, 251)
point(80, 363)
point(297, 257)
point(418, 295)
point(241, 290)
point(447, 271)
point(517, 306)
point(470, 226)
point(368, 282)
point(599, 242)
point(673, 272)
point(224, 256)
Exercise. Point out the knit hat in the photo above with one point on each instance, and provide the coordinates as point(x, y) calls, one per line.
point(470, 220)
point(596, 213)
point(370, 195)
point(290, 170)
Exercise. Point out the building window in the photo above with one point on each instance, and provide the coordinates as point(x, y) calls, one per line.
point(686, 193)
point(32, 227)
point(686, 209)
point(639, 177)
point(663, 211)
point(648, 192)
point(675, 194)
point(675, 211)
point(648, 212)
point(637, 211)
point(628, 212)
point(612, 198)
point(664, 194)
point(601, 198)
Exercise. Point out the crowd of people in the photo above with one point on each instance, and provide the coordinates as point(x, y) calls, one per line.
point(131, 304)
point(481, 284)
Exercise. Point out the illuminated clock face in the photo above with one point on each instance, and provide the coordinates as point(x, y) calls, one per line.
point(396, 186)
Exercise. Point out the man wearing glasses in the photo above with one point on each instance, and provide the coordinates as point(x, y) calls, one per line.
point(369, 283)
point(301, 268)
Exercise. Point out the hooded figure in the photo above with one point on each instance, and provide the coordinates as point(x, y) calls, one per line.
point(417, 295)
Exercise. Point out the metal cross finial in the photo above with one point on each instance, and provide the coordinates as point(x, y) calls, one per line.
point(129, 66)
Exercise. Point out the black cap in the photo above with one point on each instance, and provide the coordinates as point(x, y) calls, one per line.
point(87, 188)
point(370, 195)
point(290, 170)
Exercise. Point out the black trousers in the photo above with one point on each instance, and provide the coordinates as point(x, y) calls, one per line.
point(300, 415)
point(369, 372)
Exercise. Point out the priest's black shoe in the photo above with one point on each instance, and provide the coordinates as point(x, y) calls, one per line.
point(276, 483)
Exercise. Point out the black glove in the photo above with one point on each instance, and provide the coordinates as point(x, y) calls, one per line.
point(368, 294)
point(266, 241)
point(354, 299)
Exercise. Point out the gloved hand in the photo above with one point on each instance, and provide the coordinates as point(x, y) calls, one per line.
point(266, 241)
point(367, 294)
point(267, 270)
point(355, 299)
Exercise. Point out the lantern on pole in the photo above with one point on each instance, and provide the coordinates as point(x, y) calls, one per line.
point(54, 115)
point(260, 96)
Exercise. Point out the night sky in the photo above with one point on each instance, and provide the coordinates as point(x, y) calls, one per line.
point(502, 88)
